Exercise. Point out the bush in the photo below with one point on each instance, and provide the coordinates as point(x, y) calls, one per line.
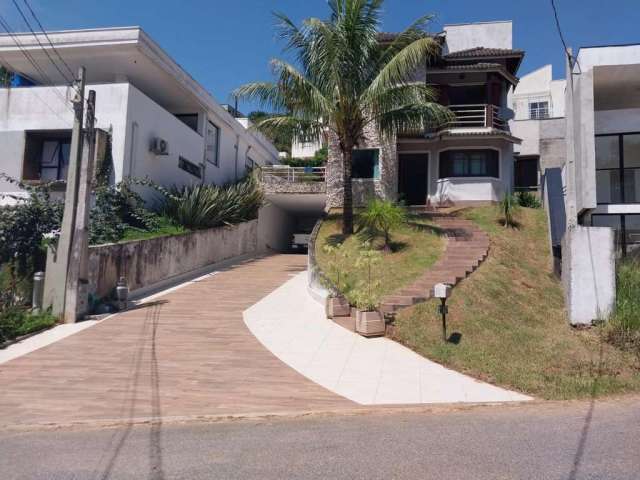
point(624, 325)
point(16, 321)
point(206, 206)
point(380, 218)
point(528, 200)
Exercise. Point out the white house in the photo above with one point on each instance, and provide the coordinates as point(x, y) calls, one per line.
point(163, 124)
point(602, 175)
point(468, 160)
point(538, 106)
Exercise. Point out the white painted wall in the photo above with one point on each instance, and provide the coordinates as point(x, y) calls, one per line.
point(588, 272)
point(538, 86)
point(610, 55)
point(304, 149)
point(482, 34)
point(134, 120)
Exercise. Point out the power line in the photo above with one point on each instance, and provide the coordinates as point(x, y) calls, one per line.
point(32, 61)
point(564, 43)
point(26, 21)
point(33, 14)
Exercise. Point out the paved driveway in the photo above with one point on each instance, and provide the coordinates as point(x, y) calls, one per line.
point(188, 354)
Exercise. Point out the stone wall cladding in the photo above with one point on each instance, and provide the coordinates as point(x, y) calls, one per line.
point(386, 187)
point(145, 263)
point(272, 184)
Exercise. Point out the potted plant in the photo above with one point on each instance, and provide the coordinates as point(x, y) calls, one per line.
point(337, 304)
point(369, 319)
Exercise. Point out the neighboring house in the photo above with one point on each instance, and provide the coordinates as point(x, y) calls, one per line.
point(538, 105)
point(469, 160)
point(162, 123)
point(602, 175)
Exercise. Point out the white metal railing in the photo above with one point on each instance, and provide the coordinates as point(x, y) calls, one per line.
point(476, 116)
point(293, 174)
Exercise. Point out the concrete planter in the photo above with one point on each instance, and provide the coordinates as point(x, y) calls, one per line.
point(338, 307)
point(370, 324)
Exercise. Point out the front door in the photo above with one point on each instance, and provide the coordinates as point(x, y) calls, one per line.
point(413, 178)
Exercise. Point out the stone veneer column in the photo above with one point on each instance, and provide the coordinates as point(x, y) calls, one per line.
point(385, 187)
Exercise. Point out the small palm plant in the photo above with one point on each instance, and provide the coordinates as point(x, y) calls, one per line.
point(509, 206)
point(345, 81)
point(339, 277)
point(380, 218)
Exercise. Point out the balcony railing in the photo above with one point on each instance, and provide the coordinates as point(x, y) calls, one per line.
point(476, 116)
point(284, 173)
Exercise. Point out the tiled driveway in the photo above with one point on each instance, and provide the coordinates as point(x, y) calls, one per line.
point(189, 354)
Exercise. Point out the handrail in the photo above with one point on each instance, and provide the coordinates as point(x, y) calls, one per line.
point(476, 116)
point(294, 174)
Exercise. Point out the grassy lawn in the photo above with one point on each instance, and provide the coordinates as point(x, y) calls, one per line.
point(416, 246)
point(514, 333)
point(165, 228)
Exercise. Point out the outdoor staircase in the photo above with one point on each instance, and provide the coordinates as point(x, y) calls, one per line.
point(467, 247)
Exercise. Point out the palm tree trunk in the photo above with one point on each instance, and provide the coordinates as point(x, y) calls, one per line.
point(347, 195)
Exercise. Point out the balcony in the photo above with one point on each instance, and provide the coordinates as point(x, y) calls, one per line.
point(476, 116)
point(285, 179)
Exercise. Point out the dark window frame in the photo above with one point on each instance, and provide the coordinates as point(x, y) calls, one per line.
point(375, 167)
point(621, 239)
point(190, 167)
point(216, 159)
point(448, 171)
point(59, 164)
point(183, 116)
point(620, 168)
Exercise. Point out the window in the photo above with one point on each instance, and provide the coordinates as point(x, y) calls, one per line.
point(190, 120)
point(46, 155)
point(365, 163)
point(538, 110)
point(626, 227)
point(212, 144)
point(618, 168)
point(469, 163)
point(189, 167)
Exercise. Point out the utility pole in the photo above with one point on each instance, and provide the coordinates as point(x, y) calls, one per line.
point(58, 259)
point(77, 294)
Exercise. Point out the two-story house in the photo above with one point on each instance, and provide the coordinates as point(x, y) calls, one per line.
point(468, 160)
point(162, 123)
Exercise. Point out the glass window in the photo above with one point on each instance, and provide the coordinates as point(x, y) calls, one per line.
point(54, 161)
point(607, 152)
point(631, 150)
point(189, 167)
point(538, 110)
point(365, 164)
point(212, 144)
point(469, 163)
point(189, 119)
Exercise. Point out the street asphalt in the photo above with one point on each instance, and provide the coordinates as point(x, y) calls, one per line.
point(570, 441)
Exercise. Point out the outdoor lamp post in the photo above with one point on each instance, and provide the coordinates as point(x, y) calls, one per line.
point(443, 291)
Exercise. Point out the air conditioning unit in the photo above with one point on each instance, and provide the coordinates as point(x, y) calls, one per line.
point(159, 146)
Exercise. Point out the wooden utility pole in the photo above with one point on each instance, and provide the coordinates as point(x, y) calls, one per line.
point(59, 258)
point(77, 294)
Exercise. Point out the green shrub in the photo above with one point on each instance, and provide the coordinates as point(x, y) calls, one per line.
point(206, 206)
point(508, 208)
point(528, 200)
point(16, 321)
point(380, 218)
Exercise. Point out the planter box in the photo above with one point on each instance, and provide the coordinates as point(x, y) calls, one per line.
point(337, 307)
point(370, 324)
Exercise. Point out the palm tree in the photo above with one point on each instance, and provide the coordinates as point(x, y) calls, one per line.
point(347, 80)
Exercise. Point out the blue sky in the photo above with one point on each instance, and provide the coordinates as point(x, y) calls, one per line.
point(224, 43)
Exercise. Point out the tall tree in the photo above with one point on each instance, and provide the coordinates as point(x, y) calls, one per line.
point(345, 79)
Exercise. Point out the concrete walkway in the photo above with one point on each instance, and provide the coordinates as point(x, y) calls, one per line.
point(375, 371)
point(187, 353)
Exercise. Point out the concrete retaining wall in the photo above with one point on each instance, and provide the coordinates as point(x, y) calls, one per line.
point(147, 263)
